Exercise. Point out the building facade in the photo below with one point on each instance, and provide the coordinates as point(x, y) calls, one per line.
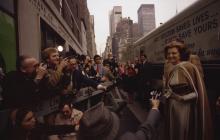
point(108, 47)
point(135, 32)
point(122, 36)
point(29, 26)
point(91, 45)
point(114, 18)
point(146, 18)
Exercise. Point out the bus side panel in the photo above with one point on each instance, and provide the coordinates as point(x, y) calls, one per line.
point(198, 29)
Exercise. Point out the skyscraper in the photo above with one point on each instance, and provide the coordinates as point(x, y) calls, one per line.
point(114, 18)
point(146, 18)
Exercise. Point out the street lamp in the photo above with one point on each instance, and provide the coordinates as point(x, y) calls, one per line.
point(60, 48)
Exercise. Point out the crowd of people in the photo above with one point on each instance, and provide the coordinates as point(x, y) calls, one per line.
point(185, 110)
point(34, 81)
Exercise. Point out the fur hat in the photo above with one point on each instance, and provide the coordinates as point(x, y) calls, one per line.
point(98, 123)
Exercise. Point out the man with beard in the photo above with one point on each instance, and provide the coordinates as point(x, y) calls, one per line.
point(21, 87)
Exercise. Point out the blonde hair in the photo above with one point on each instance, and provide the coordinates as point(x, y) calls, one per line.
point(47, 52)
point(181, 47)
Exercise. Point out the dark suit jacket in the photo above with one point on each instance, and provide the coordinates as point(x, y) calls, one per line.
point(80, 80)
point(147, 130)
point(19, 90)
point(145, 72)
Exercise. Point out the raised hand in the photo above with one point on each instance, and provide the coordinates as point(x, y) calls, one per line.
point(41, 71)
point(155, 99)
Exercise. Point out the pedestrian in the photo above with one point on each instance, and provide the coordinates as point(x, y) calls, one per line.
point(21, 87)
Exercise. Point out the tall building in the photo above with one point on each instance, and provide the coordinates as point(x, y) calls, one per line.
point(91, 45)
point(114, 18)
point(122, 36)
point(135, 32)
point(124, 28)
point(146, 18)
point(108, 47)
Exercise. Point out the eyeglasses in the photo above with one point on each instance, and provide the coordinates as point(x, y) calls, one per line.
point(98, 59)
point(73, 64)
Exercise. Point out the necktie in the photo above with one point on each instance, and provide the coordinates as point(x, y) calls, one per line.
point(97, 68)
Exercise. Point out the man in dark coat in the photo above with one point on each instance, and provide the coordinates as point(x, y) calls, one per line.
point(98, 123)
point(21, 86)
point(144, 77)
point(77, 80)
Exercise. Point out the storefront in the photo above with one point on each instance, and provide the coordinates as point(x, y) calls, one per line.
point(8, 47)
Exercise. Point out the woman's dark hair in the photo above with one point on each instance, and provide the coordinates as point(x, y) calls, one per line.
point(181, 47)
point(20, 115)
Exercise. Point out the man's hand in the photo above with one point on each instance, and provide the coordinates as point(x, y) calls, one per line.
point(63, 64)
point(41, 72)
point(155, 102)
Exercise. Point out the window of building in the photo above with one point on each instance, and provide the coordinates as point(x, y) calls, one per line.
point(49, 38)
point(117, 13)
point(61, 6)
point(78, 36)
point(72, 52)
point(7, 5)
point(77, 11)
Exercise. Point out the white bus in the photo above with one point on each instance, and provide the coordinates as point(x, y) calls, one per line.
point(198, 26)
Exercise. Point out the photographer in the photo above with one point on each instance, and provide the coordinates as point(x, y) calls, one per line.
point(21, 87)
point(57, 77)
point(55, 65)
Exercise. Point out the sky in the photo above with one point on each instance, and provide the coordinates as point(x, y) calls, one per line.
point(164, 10)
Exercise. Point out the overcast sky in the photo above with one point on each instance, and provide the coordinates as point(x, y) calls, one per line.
point(164, 10)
